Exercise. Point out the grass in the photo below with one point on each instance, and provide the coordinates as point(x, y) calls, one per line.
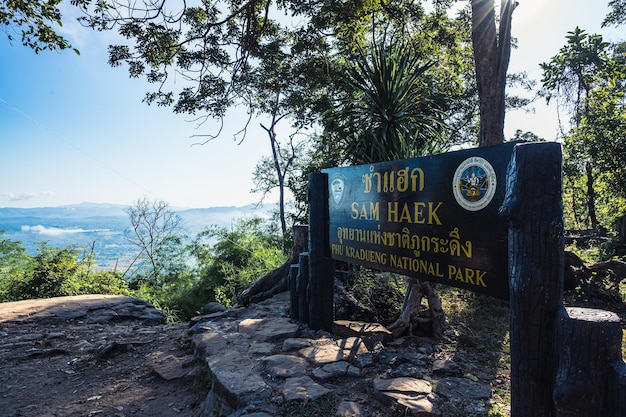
point(481, 325)
point(326, 405)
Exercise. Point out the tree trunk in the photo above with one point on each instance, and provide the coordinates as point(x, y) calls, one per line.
point(492, 53)
point(277, 280)
point(620, 229)
point(411, 306)
point(591, 196)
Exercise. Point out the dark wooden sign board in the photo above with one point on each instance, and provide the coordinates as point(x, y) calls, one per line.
point(434, 218)
point(489, 220)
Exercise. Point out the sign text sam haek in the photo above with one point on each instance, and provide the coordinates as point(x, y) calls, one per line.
point(433, 218)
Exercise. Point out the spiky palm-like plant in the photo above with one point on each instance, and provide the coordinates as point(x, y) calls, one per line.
point(392, 110)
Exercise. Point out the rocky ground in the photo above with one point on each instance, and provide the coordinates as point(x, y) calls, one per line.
point(94, 356)
point(113, 356)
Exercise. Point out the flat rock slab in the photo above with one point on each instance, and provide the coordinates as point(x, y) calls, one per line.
point(268, 330)
point(336, 370)
point(170, 367)
point(235, 379)
point(453, 387)
point(368, 331)
point(93, 308)
point(412, 393)
point(340, 350)
point(284, 366)
point(420, 406)
point(350, 409)
point(403, 385)
point(208, 344)
point(303, 388)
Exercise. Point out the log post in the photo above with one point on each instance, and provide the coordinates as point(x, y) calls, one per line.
point(617, 391)
point(302, 284)
point(294, 309)
point(321, 267)
point(620, 229)
point(588, 344)
point(534, 209)
point(300, 245)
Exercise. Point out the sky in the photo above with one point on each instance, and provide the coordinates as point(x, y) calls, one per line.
point(73, 129)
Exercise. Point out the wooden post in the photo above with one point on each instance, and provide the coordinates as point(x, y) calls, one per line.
point(300, 244)
point(302, 284)
point(294, 309)
point(321, 267)
point(534, 209)
point(617, 390)
point(588, 343)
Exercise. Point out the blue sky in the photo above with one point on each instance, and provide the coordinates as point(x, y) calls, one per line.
point(73, 129)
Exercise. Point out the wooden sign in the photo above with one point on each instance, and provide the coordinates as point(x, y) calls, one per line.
point(434, 218)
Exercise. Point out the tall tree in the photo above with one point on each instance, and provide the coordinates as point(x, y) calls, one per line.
point(582, 66)
point(492, 51)
point(157, 232)
point(35, 22)
point(617, 15)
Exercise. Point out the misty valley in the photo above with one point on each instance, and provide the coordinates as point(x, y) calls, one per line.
point(102, 227)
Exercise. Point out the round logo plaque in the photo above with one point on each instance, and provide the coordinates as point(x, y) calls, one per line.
point(474, 183)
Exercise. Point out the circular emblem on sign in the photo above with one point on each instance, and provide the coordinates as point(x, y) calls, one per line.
point(474, 183)
point(337, 185)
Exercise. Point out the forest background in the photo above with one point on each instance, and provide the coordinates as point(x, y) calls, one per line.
point(347, 84)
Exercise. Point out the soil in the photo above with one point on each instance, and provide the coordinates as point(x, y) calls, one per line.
point(76, 368)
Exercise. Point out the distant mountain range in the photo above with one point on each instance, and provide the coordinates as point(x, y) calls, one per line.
point(103, 226)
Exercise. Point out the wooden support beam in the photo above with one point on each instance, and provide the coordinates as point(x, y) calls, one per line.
point(588, 342)
point(534, 209)
point(321, 267)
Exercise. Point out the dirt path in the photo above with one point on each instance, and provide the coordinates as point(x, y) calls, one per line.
point(94, 356)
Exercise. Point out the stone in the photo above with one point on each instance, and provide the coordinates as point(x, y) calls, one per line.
point(207, 344)
point(194, 321)
point(333, 351)
point(388, 358)
point(453, 387)
point(336, 370)
point(407, 369)
point(353, 345)
point(95, 308)
point(412, 393)
point(365, 360)
point(31, 337)
point(235, 381)
point(420, 406)
point(284, 366)
point(170, 367)
point(404, 385)
point(447, 367)
point(261, 348)
point(213, 307)
point(303, 388)
point(293, 343)
point(268, 330)
point(370, 333)
point(349, 409)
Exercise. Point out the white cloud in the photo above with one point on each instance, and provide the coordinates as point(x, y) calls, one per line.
point(57, 231)
point(27, 196)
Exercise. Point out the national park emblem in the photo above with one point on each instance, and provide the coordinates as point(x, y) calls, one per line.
point(474, 183)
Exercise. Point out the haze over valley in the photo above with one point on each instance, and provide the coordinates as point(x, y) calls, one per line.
point(103, 227)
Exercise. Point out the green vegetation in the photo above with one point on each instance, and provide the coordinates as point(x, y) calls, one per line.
point(215, 266)
point(35, 22)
